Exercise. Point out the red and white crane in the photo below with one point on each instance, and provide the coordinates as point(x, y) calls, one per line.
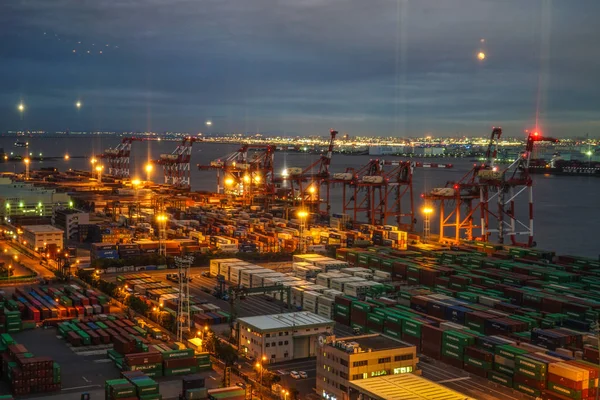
point(118, 158)
point(176, 166)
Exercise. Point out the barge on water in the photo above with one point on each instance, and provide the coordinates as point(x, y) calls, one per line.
point(562, 167)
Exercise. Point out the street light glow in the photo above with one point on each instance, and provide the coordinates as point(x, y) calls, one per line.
point(209, 123)
point(229, 181)
point(99, 168)
point(136, 182)
point(427, 210)
point(161, 217)
point(302, 214)
point(67, 157)
point(311, 189)
point(78, 104)
point(21, 107)
point(93, 160)
point(26, 160)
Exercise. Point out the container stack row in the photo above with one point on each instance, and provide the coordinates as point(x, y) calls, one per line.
point(99, 330)
point(25, 373)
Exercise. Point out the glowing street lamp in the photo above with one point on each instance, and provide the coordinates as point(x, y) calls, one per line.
point(481, 56)
point(136, 182)
point(78, 105)
point(427, 211)
point(26, 161)
point(302, 214)
point(148, 169)
point(67, 157)
point(21, 107)
point(209, 123)
point(99, 169)
point(229, 182)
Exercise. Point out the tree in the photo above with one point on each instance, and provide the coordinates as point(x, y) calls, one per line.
point(226, 353)
point(137, 305)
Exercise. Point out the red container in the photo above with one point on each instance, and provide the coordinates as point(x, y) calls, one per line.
point(179, 363)
point(575, 385)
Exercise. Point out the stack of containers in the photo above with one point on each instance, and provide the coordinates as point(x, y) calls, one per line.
point(149, 363)
point(145, 387)
point(453, 347)
point(177, 362)
point(572, 379)
point(193, 387)
point(358, 315)
point(104, 251)
point(341, 312)
point(119, 389)
point(325, 307)
point(310, 300)
point(28, 374)
point(477, 361)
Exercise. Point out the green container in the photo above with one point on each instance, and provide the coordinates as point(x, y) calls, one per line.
point(527, 390)
point(7, 339)
point(565, 391)
point(502, 379)
point(156, 396)
point(196, 394)
point(174, 354)
point(531, 364)
point(394, 334)
point(458, 338)
point(179, 371)
point(509, 351)
point(504, 369)
point(537, 375)
point(121, 390)
point(55, 373)
point(452, 346)
point(452, 354)
point(477, 363)
point(145, 386)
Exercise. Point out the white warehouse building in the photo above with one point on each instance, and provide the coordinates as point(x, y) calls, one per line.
point(282, 337)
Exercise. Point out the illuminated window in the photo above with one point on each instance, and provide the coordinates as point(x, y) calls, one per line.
point(365, 375)
point(402, 370)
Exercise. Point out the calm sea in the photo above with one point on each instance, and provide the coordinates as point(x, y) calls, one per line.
point(567, 209)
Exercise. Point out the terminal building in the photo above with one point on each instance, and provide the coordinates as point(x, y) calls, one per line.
point(22, 203)
point(345, 360)
point(283, 337)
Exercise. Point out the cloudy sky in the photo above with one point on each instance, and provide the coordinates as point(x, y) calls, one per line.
point(377, 67)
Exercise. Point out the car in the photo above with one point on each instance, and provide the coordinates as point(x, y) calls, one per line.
point(295, 374)
point(241, 384)
point(205, 274)
point(303, 374)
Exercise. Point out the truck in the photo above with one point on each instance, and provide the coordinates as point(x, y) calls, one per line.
point(177, 276)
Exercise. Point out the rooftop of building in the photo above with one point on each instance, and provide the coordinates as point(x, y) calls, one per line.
point(405, 386)
point(375, 342)
point(42, 229)
point(301, 319)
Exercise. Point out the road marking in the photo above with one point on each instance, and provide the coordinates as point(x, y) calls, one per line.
point(212, 377)
point(81, 387)
point(86, 379)
point(462, 378)
point(103, 360)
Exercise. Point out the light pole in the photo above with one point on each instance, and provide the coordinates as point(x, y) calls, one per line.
point(99, 169)
point(148, 169)
point(427, 211)
point(93, 161)
point(161, 219)
point(285, 394)
point(302, 214)
point(8, 272)
point(589, 154)
point(26, 161)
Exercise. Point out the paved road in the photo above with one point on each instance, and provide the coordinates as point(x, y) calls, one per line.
point(25, 257)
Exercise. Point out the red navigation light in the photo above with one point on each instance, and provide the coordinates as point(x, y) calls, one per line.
point(536, 134)
point(455, 186)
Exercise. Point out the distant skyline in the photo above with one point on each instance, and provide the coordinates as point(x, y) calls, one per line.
point(378, 67)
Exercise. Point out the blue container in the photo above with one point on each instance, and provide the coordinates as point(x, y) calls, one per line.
point(456, 314)
point(93, 325)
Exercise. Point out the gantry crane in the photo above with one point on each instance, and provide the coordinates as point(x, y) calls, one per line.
point(247, 172)
point(118, 158)
point(379, 190)
point(306, 184)
point(507, 186)
point(461, 201)
point(176, 166)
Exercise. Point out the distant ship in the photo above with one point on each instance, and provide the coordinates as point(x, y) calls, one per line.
point(558, 166)
point(21, 144)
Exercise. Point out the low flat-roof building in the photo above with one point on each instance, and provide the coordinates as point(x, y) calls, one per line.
point(39, 236)
point(341, 361)
point(282, 337)
point(402, 387)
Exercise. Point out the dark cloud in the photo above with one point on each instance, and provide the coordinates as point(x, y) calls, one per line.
point(386, 67)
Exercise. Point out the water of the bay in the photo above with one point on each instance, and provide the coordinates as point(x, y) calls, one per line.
point(567, 209)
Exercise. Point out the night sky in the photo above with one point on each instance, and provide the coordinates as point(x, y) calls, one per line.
point(365, 67)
